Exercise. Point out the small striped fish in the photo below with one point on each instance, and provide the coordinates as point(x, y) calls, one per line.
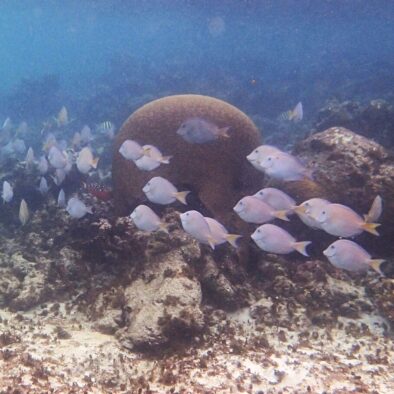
point(295, 114)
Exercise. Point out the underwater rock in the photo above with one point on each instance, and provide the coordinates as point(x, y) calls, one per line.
point(217, 172)
point(162, 306)
point(353, 170)
point(374, 119)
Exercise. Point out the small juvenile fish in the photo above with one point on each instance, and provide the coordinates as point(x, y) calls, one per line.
point(252, 210)
point(161, 191)
point(220, 234)
point(195, 225)
point(85, 160)
point(60, 176)
point(350, 256)
point(30, 158)
point(131, 150)
point(200, 131)
point(61, 199)
point(274, 239)
point(107, 128)
point(43, 188)
point(101, 192)
point(7, 193)
point(277, 199)
point(62, 117)
point(308, 211)
point(285, 167)
point(56, 157)
point(24, 213)
point(375, 211)
point(146, 219)
point(260, 154)
point(295, 114)
point(86, 134)
point(152, 159)
point(342, 221)
point(77, 209)
point(43, 165)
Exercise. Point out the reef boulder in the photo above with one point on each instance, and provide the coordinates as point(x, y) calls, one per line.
point(353, 170)
point(217, 172)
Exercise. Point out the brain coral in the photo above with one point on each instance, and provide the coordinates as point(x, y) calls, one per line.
point(217, 171)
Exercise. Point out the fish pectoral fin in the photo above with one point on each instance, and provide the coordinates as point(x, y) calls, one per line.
point(375, 265)
point(95, 162)
point(281, 215)
point(300, 247)
point(233, 239)
point(181, 196)
point(370, 228)
point(223, 132)
point(166, 159)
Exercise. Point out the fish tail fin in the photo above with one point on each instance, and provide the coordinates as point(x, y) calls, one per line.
point(223, 132)
point(166, 159)
point(232, 239)
point(211, 243)
point(95, 162)
point(375, 265)
point(370, 228)
point(282, 215)
point(181, 196)
point(300, 247)
point(163, 227)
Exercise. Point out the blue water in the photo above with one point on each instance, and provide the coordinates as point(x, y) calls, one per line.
point(268, 55)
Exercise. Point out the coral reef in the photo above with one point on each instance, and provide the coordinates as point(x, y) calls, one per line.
point(217, 172)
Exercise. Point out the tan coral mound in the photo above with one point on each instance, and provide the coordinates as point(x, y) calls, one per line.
point(217, 171)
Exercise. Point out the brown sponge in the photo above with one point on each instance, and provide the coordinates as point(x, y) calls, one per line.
point(217, 171)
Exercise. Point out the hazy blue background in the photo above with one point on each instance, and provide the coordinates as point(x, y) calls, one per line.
point(294, 50)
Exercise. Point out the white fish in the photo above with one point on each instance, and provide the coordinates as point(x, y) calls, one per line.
point(60, 176)
point(277, 199)
point(56, 157)
point(252, 210)
point(342, 221)
point(152, 159)
point(350, 256)
point(195, 225)
point(7, 125)
point(43, 188)
point(261, 153)
point(24, 213)
point(375, 211)
point(296, 114)
point(274, 239)
point(146, 219)
point(161, 191)
point(43, 165)
point(7, 193)
point(77, 208)
point(284, 166)
point(199, 131)
point(19, 146)
point(308, 211)
point(86, 134)
point(86, 161)
point(131, 150)
point(220, 234)
point(30, 158)
point(62, 117)
point(61, 199)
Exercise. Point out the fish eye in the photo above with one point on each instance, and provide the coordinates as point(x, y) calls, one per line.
point(324, 212)
point(256, 151)
point(332, 247)
point(183, 126)
point(269, 158)
point(258, 230)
